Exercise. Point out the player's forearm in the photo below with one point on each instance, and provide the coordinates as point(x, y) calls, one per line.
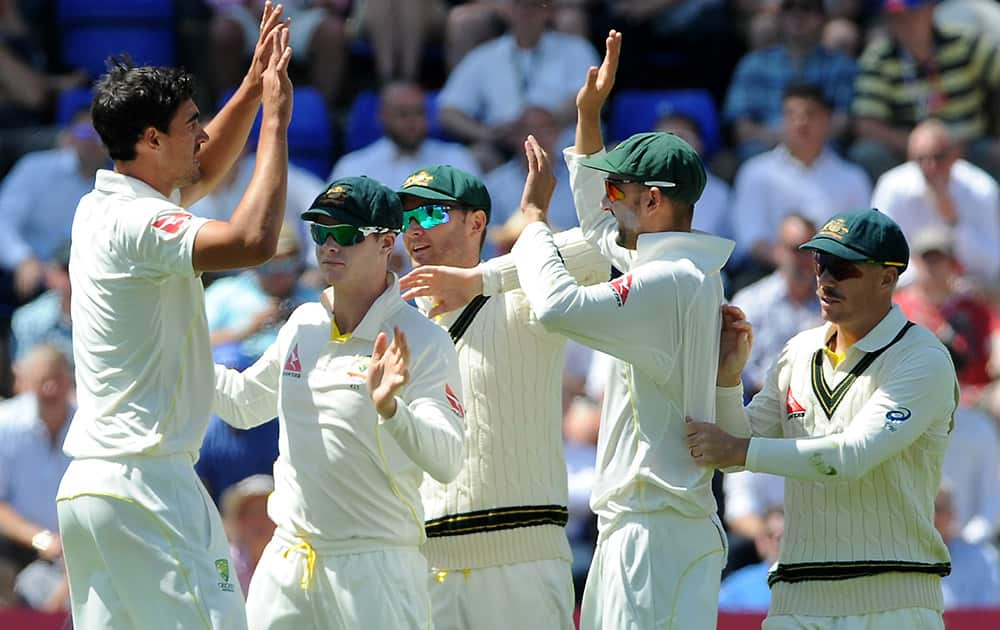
point(16, 527)
point(731, 415)
point(582, 260)
point(262, 208)
point(588, 132)
point(428, 436)
point(240, 401)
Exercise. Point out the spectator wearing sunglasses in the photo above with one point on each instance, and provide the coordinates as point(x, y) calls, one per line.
point(660, 549)
point(936, 188)
point(497, 533)
point(362, 421)
point(856, 415)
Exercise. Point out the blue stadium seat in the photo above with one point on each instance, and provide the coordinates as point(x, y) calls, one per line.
point(364, 127)
point(310, 132)
point(70, 102)
point(636, 111)
point(93, 29)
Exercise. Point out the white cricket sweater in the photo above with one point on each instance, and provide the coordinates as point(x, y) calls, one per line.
point(859, 499)
point(508, 503)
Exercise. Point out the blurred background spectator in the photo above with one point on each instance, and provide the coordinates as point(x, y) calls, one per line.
point(249, 528)
point(974, 581)
point(936, 188)
point(746, 589)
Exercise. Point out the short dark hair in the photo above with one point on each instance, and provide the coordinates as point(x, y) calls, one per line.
point(685, 119)
point(128, 99)
point(809, 91)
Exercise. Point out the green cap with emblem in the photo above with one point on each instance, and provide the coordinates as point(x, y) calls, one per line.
point(447, 183)
point(358, 201)
point(658, 159)
point(862, 236)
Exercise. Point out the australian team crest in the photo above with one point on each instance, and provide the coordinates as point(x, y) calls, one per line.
point(421, 178)
point(222, 566)
point(336, 194)
point(835, 228)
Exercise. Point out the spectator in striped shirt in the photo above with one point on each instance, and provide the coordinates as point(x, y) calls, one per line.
point(923, 71)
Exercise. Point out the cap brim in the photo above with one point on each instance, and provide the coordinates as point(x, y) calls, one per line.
point(599, 163)
point(344, 218)
point(425, 193)
point(833, 247)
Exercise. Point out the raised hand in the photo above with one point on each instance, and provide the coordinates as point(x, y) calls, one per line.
point(540, 182)
point(389, 371)
point(597, 87)
point(735, 342)
point(270, 21)
point(277, 87)
point(450, 288)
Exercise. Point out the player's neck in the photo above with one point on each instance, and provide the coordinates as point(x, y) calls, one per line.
point(352, 302)
point(146, 173)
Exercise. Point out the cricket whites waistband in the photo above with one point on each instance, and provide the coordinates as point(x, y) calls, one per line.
point(495, 519)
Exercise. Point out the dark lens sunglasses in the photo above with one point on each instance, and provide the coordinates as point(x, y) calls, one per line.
point(837, 267)
point(428, 216)
point(343, 235)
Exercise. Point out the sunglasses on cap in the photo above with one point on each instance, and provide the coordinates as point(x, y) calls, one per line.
point(613, 187)
point(842, 269)
point(343, 235)
point(429, 216)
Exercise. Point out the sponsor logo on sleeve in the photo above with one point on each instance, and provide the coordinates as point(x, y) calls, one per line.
point(456, 404)
point(817, 462)
point(621, 287)
point(293, 367)
point(793, 409)
point(896, 417)
point(172, 222)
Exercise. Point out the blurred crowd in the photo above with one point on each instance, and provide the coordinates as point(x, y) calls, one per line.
point(818, 107)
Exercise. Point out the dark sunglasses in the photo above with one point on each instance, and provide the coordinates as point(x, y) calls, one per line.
point(343, 235)
point(429, 216)
point(837, 267)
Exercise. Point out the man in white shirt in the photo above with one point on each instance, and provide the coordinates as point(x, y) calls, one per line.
point(496, 534)
point(849, 411)
point(360, 426)
point(800, 175)
point(489, 89)
point(143, 542)
point(938, 188)
point(661, 549)
point(404, 147)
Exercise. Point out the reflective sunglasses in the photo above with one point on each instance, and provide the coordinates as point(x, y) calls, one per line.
point(613, 187)
point(343, 235)
point(428, 216)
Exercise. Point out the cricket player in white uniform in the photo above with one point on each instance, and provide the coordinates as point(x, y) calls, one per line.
point(856, 414)
point(359, 428)
point(496, 534)
point(660, 547)
point(143, 542)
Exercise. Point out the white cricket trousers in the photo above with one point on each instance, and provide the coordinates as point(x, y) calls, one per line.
point(655, 570)
point(910, 618)
point(526, 596)
point(145, 548)
point(296, 586)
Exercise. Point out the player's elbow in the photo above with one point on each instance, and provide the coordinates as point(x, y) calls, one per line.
point(447, 467)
